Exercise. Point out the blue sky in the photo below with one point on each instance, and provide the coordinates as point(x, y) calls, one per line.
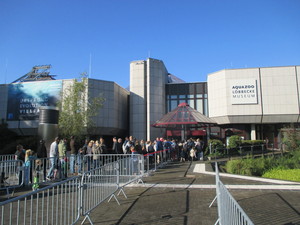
point(192, 37)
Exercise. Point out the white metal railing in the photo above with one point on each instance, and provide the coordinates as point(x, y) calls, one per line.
point(7, 157)
point(64, 202)
point(11, 174)
point(102, 183)
point(229, 211)
point(54, 204)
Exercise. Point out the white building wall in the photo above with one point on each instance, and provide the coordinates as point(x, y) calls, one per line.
point(137, 109)
point(216, 88)
point(156, 103)
point(277, 96)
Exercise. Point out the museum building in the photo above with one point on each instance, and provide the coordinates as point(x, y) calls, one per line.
point(255, 103)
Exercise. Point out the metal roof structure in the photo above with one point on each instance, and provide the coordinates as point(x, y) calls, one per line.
point(184, 115)
point(37, 73)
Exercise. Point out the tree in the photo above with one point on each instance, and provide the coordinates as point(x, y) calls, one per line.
point(77, 108)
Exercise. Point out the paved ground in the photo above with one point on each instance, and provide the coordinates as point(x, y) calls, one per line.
point(177, 195)
point(162, 200)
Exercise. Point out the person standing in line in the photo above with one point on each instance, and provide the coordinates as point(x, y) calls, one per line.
point(53, 158)
point(138, 147)
point(199, 149)
point(129, 144)
point(120, 150)
point(124, 145)
point(159, 148)
point(20, 155)
point(81, 152)
point(29, 157)
point(72, 155)
point(62, 151)
point(42, 155)
point(89, 154)
point(150, 150)
point(96, 153)
point(134, 160)
point(103, 149)
point(116, 147)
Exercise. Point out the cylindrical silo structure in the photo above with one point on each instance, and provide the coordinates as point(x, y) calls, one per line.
point(48, 124)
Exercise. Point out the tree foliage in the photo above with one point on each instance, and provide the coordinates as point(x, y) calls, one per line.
point(234, 141)
point(291, 138)
point(77, 108)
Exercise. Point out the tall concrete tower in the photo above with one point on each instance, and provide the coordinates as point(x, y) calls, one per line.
point(147, 97)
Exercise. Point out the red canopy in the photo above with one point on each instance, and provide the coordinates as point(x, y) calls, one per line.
point(184, 115)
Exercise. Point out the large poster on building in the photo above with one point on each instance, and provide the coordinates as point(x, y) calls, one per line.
point(25, 99)
point(243, 91)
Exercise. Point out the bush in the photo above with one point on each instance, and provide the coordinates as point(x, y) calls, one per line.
point(215, 144)
point(234, 141)
point(290, 161)
point(281, 174)
point(251, 142)
point(291, 138)
point(249, 166)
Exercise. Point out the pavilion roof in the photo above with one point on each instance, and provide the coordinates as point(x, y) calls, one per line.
point(184, 115)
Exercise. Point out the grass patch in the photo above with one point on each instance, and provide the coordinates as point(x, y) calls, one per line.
point(283, 174)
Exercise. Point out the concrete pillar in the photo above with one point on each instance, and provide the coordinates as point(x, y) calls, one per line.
point(253, 132)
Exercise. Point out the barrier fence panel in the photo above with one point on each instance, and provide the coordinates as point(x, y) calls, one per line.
point(229, 211)
point(65, 201)
point(98, 185)
point(11, 174)
point(130, 169)
point(55, 204)
point(93, 161)
point(7, 157)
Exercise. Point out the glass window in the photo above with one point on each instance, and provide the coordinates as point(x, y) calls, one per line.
point(173, 105)
point(205, 107)
point(182, 96)
point(182, 100)
point(199, 105)
point(173, 96)
point(190, 96)
point(205, 95)
point(191, 102)
point(199, 96)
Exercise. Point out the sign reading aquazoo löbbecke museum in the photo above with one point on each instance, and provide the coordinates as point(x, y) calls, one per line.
point(243, 91)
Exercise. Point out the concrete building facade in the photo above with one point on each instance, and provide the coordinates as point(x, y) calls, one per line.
point(112, 118)
point(262, 100)
point(258, 102)
point(147, 97)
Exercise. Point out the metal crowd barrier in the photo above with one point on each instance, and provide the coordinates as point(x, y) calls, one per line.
point(229, 211)
point(7, 157)
point(97, 185)
point(64, 202)
point(55, 204)
point(11, 174)
point(102, 183)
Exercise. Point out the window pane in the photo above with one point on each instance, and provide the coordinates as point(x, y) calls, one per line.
point(205, 107)
point(182, 100)
point(182, 96)
point(199, 96)
point(190, 96)
point(199, 105)
point(191, 102)
point(173, 96)
point(173, 104)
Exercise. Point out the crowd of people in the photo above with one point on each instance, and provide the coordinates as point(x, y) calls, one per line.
point(65, 156)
